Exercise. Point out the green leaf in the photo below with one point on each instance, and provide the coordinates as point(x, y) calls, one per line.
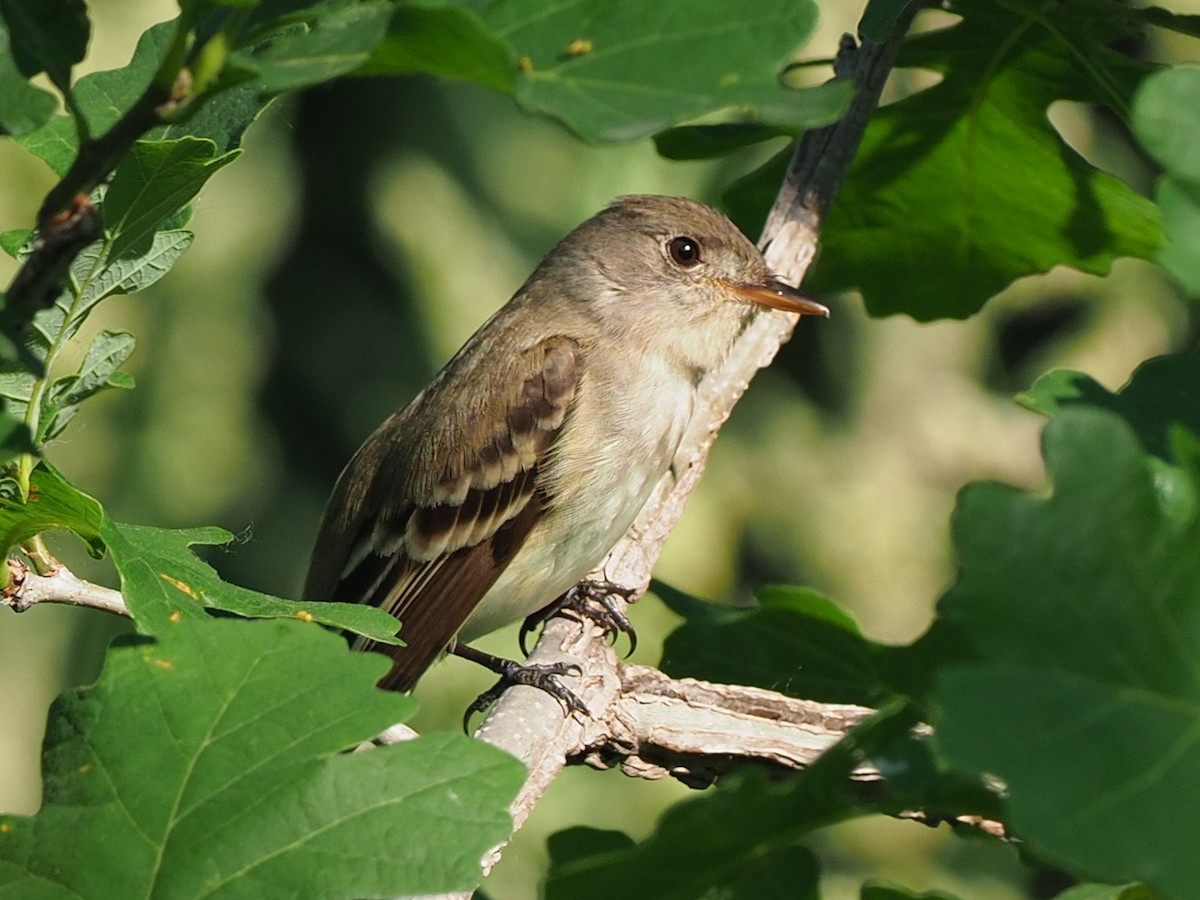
point(731, 841)
point(108, 352)
point(964, 187)
point(206, 764)
point(337, 38)
point(616, 70)
point(106, 96)
point(712, 844)
point(47, 36)
point(223, 119)
point(1109, 892)
point(98, 371)
point(779, 646)
point(101, 277)
point(1161, 393)
point(53, 503)
point(23, 107)
point(787, 872)
point(749, 197)
point(581, 841)
point(707, 141)
point(94, 277)
point(15, 242)
point(23, 363)
point(1167, 122)
point(1154, 15)
point(103, 98)
point(876, 890)
point(17, 376)
point(801, 644)
point(1136, 765)
point(1166, 119)
point(16, 387)
point(162, 579)
point(444, 40)
point(1180, 206)
point(879, 19)
point(918, 778)
point(151, 184)
point(55, 143)
point(15, 439)
point(808, 603)
point(1084, 609)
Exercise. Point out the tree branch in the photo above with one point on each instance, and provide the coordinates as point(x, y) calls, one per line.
point(696, 731)
point(649, 724)
point(60, 585)
point(533, 726)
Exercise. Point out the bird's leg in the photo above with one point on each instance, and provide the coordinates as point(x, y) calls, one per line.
point(593, 599)
point(539, 675)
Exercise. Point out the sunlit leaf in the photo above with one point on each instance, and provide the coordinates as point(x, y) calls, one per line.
point(151, 184)
point(620, 69)
point(163, 579)
point(964, 187)
point(446, 40)
point(53, 503)
point(1161, 393)
point(1166, 118)
point(206, 764)
point(97, 372)
point(102, 277)
point(335, 39)
point(1084, 608)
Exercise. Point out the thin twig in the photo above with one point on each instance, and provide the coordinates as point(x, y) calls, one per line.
point(27, 588)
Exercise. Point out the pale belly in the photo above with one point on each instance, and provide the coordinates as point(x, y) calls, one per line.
point(591, 513)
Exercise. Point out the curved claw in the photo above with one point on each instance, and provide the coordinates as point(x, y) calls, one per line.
point(612, 618)
point(594, 600)
point(539, 675)
point(529, 626)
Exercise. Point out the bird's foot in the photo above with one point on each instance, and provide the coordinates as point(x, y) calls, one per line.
point(543, 676)
point(597, 600)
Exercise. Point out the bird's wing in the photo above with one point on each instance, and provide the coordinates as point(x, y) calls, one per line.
point(428, 549)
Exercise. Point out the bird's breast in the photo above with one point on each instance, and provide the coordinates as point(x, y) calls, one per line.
point(620, 440)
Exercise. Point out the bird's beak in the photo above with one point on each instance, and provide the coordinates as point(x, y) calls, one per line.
point(777, 295)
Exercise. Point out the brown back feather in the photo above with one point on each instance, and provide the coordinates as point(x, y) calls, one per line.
point(427, 562)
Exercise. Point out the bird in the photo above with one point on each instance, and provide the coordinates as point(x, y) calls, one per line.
point(512, 474)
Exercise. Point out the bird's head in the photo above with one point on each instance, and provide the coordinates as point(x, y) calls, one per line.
point(674, 274)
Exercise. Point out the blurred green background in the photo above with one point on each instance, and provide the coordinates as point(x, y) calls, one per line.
point(370, 228)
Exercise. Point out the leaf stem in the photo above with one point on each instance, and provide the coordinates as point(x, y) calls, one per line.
point(40, 556)
point(33, 412)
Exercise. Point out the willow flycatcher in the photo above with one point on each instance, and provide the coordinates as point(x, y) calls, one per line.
point(516, 470)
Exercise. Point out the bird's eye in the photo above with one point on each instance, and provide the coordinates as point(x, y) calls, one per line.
point(685, 251)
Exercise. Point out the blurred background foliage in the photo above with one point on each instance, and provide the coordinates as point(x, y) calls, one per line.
point(372, 226)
